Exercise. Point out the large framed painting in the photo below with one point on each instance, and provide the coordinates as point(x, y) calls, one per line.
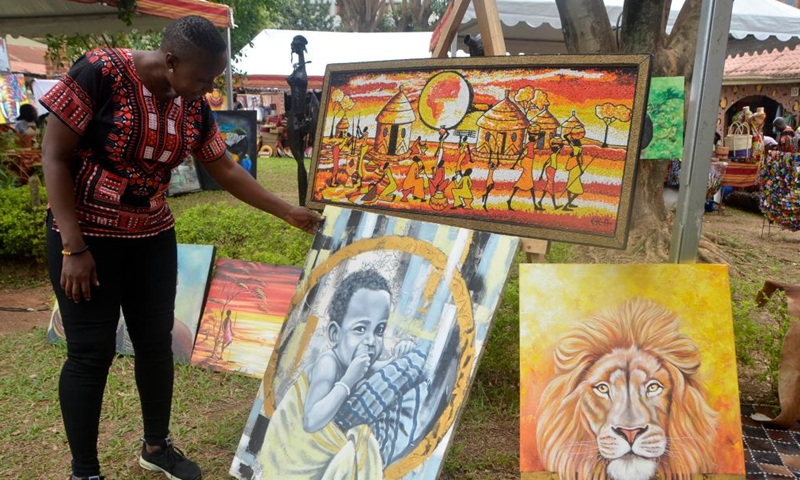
point(374, 362)
point(628, 373)
point(246, 305)
point(239, 130)
point(194, 269)
point(531, 146)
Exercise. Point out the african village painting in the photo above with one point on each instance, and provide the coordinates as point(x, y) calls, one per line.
point(534, 146)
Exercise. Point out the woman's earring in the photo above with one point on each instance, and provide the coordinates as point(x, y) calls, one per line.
point(171, 71)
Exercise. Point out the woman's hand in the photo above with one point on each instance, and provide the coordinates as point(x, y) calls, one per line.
point(304, 219)
point(78, 275)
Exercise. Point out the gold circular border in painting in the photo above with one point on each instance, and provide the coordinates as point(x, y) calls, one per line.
point(461, 298)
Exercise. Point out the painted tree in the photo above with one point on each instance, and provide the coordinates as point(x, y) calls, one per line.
point(532, 101)
point(610, 113)
point(340, 103)
point(587, 29)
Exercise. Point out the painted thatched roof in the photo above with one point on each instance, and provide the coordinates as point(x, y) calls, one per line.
point(505, 116)
point(546, 120)
point(397, 110)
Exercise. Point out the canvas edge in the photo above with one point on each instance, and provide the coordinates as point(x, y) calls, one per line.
point(270, 371)
point(478, 358)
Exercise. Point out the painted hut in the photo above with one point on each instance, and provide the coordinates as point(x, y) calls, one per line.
point(501, 130)
point(544, 127)
point(573, 128)
point(394, 125)
point(342, 126)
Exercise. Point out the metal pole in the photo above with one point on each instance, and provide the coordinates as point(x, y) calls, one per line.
point(229, 74)
point(712, 41)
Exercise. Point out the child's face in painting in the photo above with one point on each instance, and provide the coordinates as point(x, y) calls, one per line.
point(363, 325)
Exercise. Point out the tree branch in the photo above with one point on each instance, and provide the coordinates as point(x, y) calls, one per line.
point(586, 26)
point(643, 25)
point(677, 56)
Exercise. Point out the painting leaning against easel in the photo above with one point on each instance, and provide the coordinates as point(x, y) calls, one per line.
point(378, 351)
point(626, 374)
point(533, 146)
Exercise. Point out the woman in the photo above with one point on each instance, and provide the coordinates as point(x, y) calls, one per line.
point(121, 120)
point(525, 180)
point(27, 121)
point(575, 168)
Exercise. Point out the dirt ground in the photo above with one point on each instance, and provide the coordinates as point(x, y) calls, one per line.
point(25, 308)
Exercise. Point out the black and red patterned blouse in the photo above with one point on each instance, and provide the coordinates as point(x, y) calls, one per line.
point(129, 143)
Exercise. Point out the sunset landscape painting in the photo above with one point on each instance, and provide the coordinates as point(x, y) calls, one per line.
point(244, 313)
point(535, 146)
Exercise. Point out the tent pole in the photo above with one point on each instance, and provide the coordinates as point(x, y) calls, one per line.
point(229, 74)
point(712, 40)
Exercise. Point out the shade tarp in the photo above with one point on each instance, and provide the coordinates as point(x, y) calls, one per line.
point(34, 18)
point(534, 26)
point(268, 58)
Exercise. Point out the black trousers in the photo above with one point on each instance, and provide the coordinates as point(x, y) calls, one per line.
point(138, 275)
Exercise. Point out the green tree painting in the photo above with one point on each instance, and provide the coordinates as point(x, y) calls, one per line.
point(665, 110)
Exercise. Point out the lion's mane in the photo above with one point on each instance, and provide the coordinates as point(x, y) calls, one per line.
point(565, 441)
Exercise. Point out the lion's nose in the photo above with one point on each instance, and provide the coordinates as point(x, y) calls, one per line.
point(629, 434)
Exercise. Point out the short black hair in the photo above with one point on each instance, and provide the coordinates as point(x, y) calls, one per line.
point(28, 113)
point(189, 34)
point(363, 279)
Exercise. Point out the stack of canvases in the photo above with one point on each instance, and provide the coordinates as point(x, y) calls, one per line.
point(227, 325)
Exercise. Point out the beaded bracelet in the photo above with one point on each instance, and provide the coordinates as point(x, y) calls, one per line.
point(76, 252)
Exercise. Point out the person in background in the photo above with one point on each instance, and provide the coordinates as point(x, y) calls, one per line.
point(107, 155)
point(27, 120)
point(237, 104)
point(784, 135)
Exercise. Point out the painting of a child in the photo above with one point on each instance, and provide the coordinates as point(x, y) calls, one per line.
point(377, 352)
point(313, 446)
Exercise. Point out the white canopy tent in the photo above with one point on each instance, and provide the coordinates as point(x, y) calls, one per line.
point(270, 52)
point(534, 26)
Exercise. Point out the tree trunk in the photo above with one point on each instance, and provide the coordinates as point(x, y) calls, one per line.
point(643, 31)
point(586, 26)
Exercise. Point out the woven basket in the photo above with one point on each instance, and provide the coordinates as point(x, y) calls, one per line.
point(739, 137)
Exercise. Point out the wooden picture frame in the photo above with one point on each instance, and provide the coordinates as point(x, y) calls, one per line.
point(468, 121)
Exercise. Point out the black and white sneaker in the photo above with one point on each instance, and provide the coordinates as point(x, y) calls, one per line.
point(171, 461)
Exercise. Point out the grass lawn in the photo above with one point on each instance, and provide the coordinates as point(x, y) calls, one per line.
point(210, 409)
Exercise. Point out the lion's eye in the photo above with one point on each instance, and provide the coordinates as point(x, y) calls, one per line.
point(654, 388)
point(602, 389)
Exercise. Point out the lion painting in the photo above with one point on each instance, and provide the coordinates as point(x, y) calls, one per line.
point(626, 403)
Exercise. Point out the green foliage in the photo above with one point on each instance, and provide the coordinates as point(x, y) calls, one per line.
point(759, 332)
point(22, 226)
point(304, 15)
point(63, 50)
point(251, 17)
point(243, 233)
